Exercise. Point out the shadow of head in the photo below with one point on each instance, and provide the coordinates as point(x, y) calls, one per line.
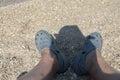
point(69, 40)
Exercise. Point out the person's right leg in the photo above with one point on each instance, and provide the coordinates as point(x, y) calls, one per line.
point(99, 69)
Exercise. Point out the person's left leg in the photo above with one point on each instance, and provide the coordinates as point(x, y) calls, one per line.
point(46, 68)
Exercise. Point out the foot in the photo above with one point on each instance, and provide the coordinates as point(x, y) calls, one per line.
point(43, 41)
point(93, 42)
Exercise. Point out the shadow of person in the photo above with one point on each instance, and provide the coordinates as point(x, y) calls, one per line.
point(69, 40)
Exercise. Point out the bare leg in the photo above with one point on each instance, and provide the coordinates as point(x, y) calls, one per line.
point(46, 68)
point(99, 69)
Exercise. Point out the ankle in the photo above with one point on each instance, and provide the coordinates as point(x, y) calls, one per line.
point(49, 57)
point(91, 59)
point(47, 53)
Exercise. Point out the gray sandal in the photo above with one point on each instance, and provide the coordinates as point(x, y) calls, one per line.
point(93, 41)
point(44, 40)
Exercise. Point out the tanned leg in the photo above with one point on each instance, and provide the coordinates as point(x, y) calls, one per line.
point(99, 69)
point(46, 68)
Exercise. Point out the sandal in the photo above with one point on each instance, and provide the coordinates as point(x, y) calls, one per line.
point(92, 42)
point(44, 40)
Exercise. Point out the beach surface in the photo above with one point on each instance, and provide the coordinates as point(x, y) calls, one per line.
point(69, 21)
